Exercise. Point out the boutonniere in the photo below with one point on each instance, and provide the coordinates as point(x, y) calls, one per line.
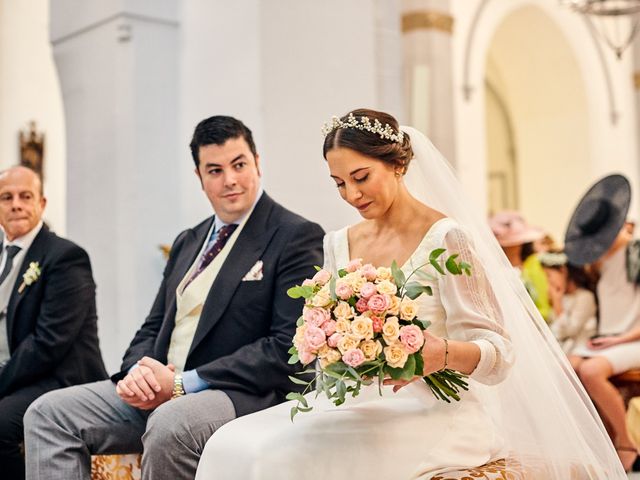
point(30, 276)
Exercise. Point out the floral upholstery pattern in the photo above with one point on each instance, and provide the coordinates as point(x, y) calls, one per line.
point(116, 467)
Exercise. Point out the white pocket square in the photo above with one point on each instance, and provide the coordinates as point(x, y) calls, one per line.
point(254, 274)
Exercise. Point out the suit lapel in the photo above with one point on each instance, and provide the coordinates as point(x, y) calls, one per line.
point(252, 241)
point(36, 253)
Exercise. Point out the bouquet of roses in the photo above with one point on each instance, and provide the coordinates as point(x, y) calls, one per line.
point(362, 325)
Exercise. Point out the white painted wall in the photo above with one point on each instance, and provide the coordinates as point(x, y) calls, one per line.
point(29, 90)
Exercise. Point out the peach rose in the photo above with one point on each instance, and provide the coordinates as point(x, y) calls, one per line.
point(391, 330)
point(394, 306)
point(395, 355)
point(315, 316)
point(384, 273)
point(387, 287)
point(322, 298)
point(321, 277)
point(343, 325)
point(298, 339)
point(342, 310)
point(408, 309)
point(412, 338)
point(308, 283)
point(354, 280)
point(331, 356)
point(378, 303)
point(371, 349)
point(353, 357)
point(348, 342)
point(362, 327)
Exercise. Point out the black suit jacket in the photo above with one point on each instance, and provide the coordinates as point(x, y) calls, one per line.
point(246, 327)
point(51, 324)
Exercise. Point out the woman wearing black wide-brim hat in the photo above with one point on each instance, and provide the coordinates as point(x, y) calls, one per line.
point(598, 235)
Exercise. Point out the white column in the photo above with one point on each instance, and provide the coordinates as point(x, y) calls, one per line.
point(428, 52)
point(118, 69)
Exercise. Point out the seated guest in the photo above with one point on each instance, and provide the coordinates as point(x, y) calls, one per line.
point(214, 346)
point(517, 239)
point(48, 334)
point(571, 292)
point(598, 234)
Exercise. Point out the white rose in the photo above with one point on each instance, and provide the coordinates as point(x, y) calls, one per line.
point(322, 298)
point(355, 281)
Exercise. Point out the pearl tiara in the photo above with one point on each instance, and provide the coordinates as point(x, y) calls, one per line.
point(385, 132)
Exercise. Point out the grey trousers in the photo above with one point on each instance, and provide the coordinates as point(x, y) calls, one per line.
point(63, 428)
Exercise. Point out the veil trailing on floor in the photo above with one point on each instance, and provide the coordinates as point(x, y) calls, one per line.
point(548, 421)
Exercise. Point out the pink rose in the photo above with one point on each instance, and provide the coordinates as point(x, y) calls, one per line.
point(378, 303)
point(314, 338)
point(329, 327)
point(315, 316)
point(343, 291)
point(368, 289)
point(412, 338)
point(362, 305)
point(353, 357)
point(377, 323)
point(321, 277)
point(308, 283)
point(353, 265)
point(333, 340)
point(306, 356)
point(369, 272)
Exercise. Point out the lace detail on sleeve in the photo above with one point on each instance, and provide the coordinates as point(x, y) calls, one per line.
point(473, 313)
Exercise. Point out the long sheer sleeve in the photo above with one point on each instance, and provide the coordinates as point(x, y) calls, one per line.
point(329, 256)
point(473, 314)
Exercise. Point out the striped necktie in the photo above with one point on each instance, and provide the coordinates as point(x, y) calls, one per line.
point(10, 252)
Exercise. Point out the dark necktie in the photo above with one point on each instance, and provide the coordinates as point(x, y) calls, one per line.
point(213, 251)
point(10, 251)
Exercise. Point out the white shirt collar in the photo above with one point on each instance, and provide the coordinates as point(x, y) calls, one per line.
point(25, 241)
point(218, 223)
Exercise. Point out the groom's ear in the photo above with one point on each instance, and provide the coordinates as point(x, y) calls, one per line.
point(257, 159)
point(197, 172)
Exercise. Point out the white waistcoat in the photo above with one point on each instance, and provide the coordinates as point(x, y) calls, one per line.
point(190, 301)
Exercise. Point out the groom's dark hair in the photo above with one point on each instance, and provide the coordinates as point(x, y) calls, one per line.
point(217, 130)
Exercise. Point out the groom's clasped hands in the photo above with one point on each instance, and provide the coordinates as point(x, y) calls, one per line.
point(148, 385)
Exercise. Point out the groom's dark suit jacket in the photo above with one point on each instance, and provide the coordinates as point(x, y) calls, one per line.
point(51, 324)
point(246, 327)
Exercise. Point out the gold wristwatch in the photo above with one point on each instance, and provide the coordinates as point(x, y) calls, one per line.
point(178, 388)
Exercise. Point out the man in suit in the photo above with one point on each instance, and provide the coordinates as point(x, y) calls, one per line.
point(48, 334)
point(214, 346)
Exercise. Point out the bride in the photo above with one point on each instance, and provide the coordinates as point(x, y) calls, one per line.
point(524, 403)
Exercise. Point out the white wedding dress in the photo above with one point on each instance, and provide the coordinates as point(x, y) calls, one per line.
point(404, 435)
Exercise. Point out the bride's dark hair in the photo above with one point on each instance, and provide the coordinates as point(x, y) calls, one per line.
point(371, 144)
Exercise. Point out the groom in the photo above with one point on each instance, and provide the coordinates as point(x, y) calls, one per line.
point(214, 346)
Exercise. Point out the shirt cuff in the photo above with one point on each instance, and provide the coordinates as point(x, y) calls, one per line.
point(487, 362)
point(192, 383)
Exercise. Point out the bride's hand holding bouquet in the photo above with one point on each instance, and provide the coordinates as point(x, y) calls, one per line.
point(362, 326)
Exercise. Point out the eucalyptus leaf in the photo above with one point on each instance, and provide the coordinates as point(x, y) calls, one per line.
point(298, 381)
point(437, 266)
point(332, 289)
point(293, 359)
point(414, 289)
point(342, 272)
point(398, 275)
point(452, 266)
point(298, 397)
